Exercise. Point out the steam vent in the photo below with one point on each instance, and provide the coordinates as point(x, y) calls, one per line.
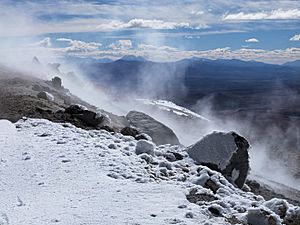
point(223, 152)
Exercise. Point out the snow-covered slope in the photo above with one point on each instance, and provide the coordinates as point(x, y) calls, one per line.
point(58, 174)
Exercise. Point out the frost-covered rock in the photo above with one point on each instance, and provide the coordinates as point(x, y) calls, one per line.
point(223, 152)
point(159, 133)
point(293, 216)
point(262, 216)
point(144, 146)
point(45, 95)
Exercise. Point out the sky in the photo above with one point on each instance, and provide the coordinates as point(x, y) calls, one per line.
point(164, 30)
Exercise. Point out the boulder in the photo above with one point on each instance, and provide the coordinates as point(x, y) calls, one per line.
point(144, 146)
point(224, 152)
point(76, 109)
point(45, 95)
point(159, 133)
point(91, 118)
point(131, 131)
point(262, 216)
point(56, 83)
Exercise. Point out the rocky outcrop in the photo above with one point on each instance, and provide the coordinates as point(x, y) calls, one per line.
point(159, 133)
point(223, 152)
point(56, 82)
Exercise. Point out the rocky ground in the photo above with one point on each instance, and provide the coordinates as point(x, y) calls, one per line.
point(47, 157)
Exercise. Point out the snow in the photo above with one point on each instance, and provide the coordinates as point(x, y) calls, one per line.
point(172, 107)
point(6, 127)
point(55, 173)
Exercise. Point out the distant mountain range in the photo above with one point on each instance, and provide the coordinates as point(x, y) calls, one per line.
point(188, 80)
point(294, 63)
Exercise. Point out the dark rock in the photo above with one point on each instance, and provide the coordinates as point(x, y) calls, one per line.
point(211, 185)
point(178, 156)
point(173, 156)
point(259, 216)
point(254, 185)
point(107, 128)
point(75, 109)
point(112, 146)
point(215, 211)
point(91, 118)
point(198, 198)
point(159, 133)
point(223, 152)
point(142, 137)
point(130, 131)
point(56, 83)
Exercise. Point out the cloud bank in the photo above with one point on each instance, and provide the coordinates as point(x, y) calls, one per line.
point(124, 47)
point(278, 14)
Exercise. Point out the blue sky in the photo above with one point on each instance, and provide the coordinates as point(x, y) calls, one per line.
point(163, 30)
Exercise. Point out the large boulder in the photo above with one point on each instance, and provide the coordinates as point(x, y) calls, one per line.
point(159, 133)
point(223, 152)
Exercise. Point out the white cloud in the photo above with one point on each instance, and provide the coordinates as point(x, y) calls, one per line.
point(278, 14)
point(252, 40)
point(121, 45)
point(197, 13)
point(141, 23)
point(79, 46)
point(295, 38)
point(46, 42)
point(192, 36)
point(146, 47)
point(168, 53)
